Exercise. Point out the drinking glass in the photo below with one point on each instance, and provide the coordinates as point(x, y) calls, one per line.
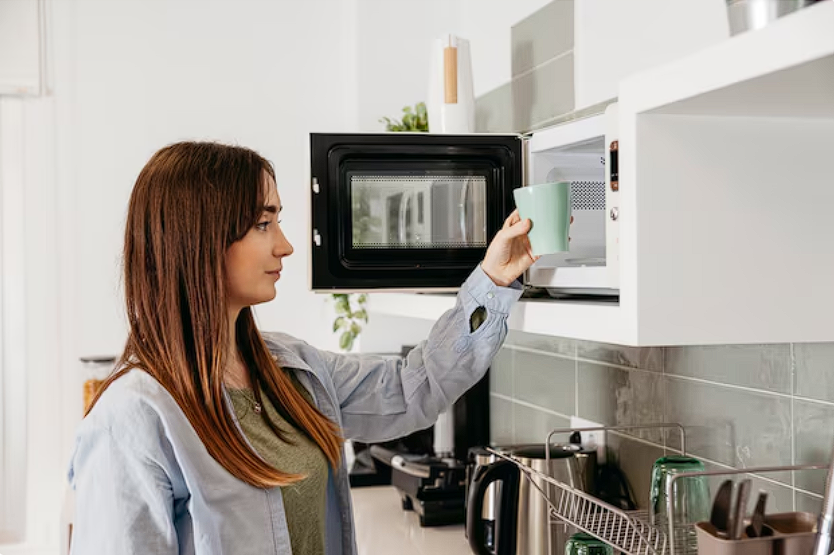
point(691, 498)
point(585, 544)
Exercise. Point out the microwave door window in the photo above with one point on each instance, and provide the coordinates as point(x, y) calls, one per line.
point(458, 212)
point(418, 212)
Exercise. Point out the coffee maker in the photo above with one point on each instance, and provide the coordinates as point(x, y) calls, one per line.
point(429, 467)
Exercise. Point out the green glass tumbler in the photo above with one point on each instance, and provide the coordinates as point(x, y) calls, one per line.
point(691, 498)
point(585, 544)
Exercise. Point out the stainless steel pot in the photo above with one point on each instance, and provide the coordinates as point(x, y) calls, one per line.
point(521, 513)
point(748, 15)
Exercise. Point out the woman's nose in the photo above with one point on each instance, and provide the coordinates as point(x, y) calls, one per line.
point(283, 247)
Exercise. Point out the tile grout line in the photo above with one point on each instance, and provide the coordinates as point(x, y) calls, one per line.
point(664, 406)
point(533, 350)
point(728, 467)
point(559, 414)
point(793, 421)
point(529, 405)
point(748, 389)
point(814, 401)
point(637, 439)
point(576, 377)
point(734, 386)
point(806, 492)
point(527, 72)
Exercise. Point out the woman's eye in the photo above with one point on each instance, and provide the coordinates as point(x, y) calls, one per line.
point(263, 225)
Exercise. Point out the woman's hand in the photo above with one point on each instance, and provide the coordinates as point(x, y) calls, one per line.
point(509, 254)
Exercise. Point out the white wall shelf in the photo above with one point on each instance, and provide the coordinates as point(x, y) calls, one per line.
point(725, 199)
point(581, 320)
point(783, 70)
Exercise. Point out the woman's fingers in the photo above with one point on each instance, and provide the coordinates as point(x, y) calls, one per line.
point(520, 227)
point(512, 219)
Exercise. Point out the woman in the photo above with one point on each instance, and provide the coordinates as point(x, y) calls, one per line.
point(213, 438)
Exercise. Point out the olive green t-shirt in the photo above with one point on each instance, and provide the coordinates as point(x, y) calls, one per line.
point(304, 501)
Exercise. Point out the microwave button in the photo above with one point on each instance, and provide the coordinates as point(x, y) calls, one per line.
point(615, 213)
point(316, 237)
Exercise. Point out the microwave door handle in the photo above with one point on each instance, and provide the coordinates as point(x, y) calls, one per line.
point(464, 193)
point(403, 224)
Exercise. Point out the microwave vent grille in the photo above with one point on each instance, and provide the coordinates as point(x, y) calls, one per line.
point(587, 195)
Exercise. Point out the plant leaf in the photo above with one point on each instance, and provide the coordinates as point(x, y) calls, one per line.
point(338, 323)
point(361, 315)
point(355, 328)
point(346, 341)
point(343, 306)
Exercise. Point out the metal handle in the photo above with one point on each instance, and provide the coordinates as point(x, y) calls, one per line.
point(606, 429)
point(402, 230)
point(464, 193)
point(418, 470)
point(822, 545)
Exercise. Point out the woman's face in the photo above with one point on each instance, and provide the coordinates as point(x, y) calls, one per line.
point(254, 263)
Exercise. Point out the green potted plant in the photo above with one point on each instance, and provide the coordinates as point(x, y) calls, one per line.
point(414, 119)
point(350, 316)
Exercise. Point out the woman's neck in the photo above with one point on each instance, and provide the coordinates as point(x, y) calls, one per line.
point(235, 374)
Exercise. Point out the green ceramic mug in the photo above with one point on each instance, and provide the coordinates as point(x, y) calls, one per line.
point(548, 206)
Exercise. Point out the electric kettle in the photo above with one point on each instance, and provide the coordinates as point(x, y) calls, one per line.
point(522, 523)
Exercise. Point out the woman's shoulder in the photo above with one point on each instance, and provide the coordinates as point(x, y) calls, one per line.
point(131, 404)
point(291, 352)
point(135, 418)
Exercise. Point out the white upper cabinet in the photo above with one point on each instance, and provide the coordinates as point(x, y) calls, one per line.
point(724, 204)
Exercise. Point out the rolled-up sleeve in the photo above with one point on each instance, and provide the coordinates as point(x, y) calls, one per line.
point(383, 398)
point(124, 501)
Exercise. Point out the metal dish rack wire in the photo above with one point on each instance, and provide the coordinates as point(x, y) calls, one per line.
point(629, 532)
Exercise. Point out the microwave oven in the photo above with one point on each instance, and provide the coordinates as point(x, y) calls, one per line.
point(416, 211)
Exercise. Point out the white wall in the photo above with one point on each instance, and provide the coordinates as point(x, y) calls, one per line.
point(260, 74)
point(129, 77)
point(392, 53)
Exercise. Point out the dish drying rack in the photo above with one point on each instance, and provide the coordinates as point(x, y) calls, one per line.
point(628, 532)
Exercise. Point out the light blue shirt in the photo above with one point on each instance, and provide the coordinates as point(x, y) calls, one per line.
point(145, 484)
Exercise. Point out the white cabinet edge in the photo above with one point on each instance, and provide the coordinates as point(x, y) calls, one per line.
point(601, 322)
point(789, 42)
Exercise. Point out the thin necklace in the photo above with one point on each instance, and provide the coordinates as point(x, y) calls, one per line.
point(256, 406)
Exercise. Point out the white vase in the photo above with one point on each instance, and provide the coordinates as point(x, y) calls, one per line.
point(451, 100)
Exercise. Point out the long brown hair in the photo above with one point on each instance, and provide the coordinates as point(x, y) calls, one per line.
point(191, 201)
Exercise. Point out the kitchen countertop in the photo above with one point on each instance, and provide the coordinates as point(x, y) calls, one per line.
point(383, 527)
